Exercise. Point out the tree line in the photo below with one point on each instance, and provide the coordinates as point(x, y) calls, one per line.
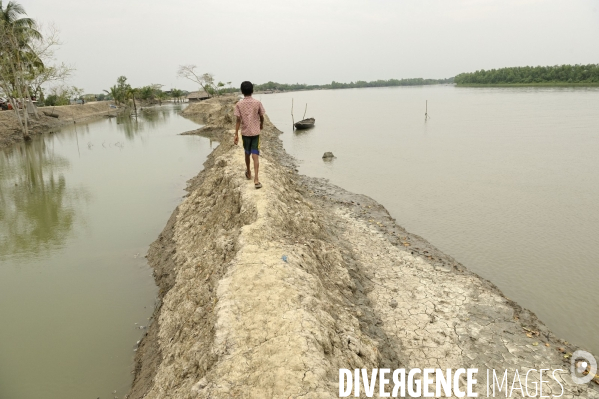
point(352, 85)
point(557, 74)
point(208, 84)
point(122, 92)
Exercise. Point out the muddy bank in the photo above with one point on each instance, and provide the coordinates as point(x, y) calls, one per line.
point(268, 293)
point(10, 130)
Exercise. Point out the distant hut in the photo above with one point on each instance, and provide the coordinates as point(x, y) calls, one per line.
point(197, 96)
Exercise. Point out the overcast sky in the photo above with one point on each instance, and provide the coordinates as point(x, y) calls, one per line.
point(314, 41)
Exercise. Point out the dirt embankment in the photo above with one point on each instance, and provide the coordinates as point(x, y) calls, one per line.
point(10, 130)
point(268, 293)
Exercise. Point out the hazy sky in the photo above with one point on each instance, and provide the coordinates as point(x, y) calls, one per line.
point(316, 41)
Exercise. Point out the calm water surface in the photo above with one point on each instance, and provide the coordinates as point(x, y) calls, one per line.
point(506, 180)
point(78, 210)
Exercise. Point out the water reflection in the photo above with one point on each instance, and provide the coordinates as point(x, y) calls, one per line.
point(36, 204)
point(86, 203)
point(147, 118)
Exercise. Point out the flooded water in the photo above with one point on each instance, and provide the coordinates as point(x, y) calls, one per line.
point(78, 210)
point(506, 180)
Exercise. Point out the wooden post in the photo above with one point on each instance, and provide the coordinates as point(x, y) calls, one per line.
point(426, 111)
point(135, 106)
point(292, 119)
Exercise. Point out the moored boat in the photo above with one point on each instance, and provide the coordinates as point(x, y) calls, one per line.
point(305, 123)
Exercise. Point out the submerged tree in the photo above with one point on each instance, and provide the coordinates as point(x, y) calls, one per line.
point(161, 96)
point(151, 92)
point(176, 94)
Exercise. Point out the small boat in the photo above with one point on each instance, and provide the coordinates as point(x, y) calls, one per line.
point(305, 124)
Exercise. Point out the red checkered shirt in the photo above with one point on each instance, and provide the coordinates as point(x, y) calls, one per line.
point(250, 110)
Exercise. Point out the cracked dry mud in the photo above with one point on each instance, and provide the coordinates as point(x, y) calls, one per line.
point(236, 320)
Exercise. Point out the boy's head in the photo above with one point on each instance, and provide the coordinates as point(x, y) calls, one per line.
point(247, 88)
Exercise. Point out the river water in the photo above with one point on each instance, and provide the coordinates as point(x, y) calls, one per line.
point(506, 180)
point(78, 210)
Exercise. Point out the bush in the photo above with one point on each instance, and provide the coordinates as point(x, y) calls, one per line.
point(53, 100)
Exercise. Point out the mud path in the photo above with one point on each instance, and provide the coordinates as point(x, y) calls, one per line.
point(268, 293)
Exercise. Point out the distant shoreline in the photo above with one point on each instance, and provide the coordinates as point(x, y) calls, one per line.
point(10, 131)
point(543, 84)
point(274, 86)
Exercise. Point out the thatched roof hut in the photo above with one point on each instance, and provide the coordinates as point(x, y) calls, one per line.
point(197, 96)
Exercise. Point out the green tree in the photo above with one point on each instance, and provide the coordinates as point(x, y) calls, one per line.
point(161, 96)
point(579, 74)
point(17, 58)
point(130, 94)
point(114, 93)
point(176, 94)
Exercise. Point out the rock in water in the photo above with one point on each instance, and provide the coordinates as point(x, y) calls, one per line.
point(328, 155)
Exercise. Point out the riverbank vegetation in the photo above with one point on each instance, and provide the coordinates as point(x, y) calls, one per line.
point(122, 93)
point(28, 64)
point(205, 81)
point(558, 75)
point(352, 85)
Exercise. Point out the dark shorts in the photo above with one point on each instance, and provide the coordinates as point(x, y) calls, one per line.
point(251, 144)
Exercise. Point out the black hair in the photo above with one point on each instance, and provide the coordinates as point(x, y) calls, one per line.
point(247, 88)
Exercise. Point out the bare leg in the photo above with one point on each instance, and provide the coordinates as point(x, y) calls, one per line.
point(247, 164)
point(256, 157)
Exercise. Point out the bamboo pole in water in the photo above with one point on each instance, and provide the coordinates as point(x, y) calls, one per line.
point(292, 119)
point(135, 106)
point(305, 111)
point(426, 111)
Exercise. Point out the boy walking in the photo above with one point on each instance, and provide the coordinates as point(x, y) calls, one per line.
point(250, 116)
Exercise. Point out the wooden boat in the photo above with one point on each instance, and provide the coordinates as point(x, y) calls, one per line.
point(305, 124)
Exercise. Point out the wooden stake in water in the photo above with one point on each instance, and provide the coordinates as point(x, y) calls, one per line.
point(292, 120)
point(426, 111)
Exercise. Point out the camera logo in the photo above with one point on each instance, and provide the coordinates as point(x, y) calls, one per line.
point(583, 367)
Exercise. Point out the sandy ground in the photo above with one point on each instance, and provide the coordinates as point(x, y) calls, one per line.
point(267, 293)
point(10, 130)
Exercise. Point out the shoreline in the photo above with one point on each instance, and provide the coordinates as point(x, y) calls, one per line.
point(547, 84)
point(10, 131)
point(354, 291)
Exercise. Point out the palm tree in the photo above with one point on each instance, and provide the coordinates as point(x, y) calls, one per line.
point(17, 57)
point(114, 92)
point(131, 92)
